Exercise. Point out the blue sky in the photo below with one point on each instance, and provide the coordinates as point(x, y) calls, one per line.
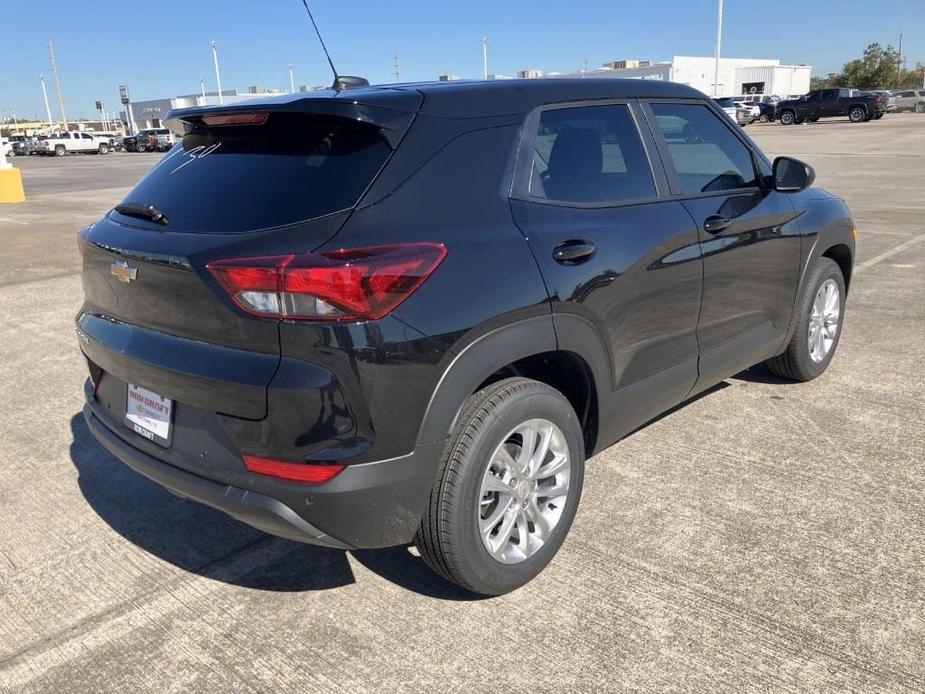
point(100, 46)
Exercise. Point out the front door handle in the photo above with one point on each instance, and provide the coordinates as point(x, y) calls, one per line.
point(573, 251)
point(715, 224)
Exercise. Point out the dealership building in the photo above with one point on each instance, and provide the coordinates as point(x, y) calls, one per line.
point(736, 75)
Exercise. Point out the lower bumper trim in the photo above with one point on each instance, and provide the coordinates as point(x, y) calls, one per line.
point(261, 511)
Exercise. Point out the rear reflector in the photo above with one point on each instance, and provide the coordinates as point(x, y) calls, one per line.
point(312, 473)
point(356, 284)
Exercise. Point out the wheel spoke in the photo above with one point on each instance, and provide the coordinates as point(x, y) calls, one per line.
point(553, 467)
point(488, 524)
point(494, 484)
point(539, 457)
point(553, 491)
point(528, 432)
point(523, 533)
point(505, 458)
point(504, 534)
point(539, 522)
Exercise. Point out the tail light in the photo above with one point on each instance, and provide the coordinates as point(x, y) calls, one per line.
point(82, 235)
point(354, 284)
point(311, 473)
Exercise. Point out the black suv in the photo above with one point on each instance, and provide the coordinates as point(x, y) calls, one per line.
point(391, 314)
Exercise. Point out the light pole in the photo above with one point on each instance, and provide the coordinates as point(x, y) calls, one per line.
point(47, 107)
point(291, 80)
point(485, 57)
point(218, 77)
point(202, 88)
point(719, 40)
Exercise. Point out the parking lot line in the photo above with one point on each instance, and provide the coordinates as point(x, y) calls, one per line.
point(895, 250)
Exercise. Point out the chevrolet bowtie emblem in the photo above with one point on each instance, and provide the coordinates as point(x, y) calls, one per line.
point(123, 271)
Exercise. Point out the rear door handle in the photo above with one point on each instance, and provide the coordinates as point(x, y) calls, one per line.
point(573, 251)
point(715, 224)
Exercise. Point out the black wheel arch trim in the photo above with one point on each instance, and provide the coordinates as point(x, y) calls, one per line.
point(476, 361)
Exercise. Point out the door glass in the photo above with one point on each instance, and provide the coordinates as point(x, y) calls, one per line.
point(707, 156)
point(590, 154)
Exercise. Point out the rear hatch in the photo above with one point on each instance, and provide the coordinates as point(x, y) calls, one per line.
point(263, 179)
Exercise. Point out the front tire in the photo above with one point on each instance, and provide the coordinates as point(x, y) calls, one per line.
point(818, 329)
point(787, 118)
point(509, 486)
point(104, 149)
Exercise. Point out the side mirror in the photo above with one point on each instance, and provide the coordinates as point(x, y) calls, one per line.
point(792, 175)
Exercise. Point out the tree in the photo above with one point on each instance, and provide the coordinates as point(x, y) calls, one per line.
point(878, 68)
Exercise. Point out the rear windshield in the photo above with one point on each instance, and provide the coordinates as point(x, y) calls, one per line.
point(292, 168)
point(725, 102)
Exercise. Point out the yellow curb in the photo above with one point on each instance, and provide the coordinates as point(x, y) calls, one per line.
point(11, 189)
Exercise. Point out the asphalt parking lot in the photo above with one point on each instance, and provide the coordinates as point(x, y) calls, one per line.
point(764, 537)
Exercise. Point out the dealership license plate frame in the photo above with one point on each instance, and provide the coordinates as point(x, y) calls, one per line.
point(144, 421)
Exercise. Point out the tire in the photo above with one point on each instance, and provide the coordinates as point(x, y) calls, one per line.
point(60, 151)
point(104, 149)
point(857, 114)
point(787, 118)
point(798, 362)
point(763, 118)
point(878, 116)
point(920, 108)
point(814, 119)
point(450, 537)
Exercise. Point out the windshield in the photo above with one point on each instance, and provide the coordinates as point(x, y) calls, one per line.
point(237, 178)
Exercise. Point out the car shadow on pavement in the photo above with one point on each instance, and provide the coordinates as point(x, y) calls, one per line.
point(760, 373)
point(204, 541)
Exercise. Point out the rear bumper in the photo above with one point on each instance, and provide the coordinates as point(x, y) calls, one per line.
point(367, 505)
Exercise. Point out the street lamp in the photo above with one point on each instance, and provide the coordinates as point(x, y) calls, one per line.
point(719, 40)
point(291, 81)
point(218, 77)
point(47, 107)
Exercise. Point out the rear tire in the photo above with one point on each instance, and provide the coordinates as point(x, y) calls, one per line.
point(488, 527)
point(805, 357)
point(104, 149)
point(920, 108)
point(787, 118)
point(60, 151)
point(857, 114)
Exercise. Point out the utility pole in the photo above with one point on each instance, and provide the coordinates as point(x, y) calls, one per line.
point(291, 81)
point(218, 77)
point(719, 40)
point(47, 107)
point(586, 65)
point(899, 59)
point(397, 67)
point(202, 88)
point(54, 72)
point(485, 57)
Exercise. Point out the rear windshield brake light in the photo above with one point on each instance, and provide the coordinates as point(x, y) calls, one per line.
point(235, 119)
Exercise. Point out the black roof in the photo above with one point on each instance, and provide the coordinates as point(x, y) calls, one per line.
point(465, 99)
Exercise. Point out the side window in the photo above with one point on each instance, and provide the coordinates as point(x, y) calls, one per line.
point(707, 156)
point(589, 154)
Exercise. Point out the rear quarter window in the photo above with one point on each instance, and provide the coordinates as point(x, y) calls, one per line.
point(292, 168)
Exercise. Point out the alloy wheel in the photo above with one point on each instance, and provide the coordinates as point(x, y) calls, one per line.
point(524, 491)
point(823, 321)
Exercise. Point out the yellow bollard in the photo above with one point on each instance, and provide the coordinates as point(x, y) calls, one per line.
point(11, 189)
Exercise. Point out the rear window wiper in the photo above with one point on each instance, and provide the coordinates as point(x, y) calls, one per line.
point(134, 209)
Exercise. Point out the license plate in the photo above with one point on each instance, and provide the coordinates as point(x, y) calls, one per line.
point(148, 414)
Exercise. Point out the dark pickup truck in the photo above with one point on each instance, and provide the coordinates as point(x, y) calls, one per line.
point(830, 103)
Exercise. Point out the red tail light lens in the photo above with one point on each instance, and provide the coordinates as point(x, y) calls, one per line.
point(356, 284)
point(311, 473)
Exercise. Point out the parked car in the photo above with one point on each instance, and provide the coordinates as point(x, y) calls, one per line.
point(754, 113)
point(7, 147)
point(154, 140)
point(830, 103)
point(71, 143)
point(767, 111)
point(738, 114)
point(411, 313)
point(911, 100)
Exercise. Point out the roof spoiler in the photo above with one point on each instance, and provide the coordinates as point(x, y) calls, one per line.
point(392, 113)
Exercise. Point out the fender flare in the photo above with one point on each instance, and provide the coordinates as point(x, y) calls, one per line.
point(492, 350)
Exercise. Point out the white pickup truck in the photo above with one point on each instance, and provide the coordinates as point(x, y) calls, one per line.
point(70, 142)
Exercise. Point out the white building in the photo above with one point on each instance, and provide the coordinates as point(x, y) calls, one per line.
point(736, 75)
